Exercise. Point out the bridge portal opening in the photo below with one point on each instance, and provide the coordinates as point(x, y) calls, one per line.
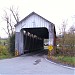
point(33, 38)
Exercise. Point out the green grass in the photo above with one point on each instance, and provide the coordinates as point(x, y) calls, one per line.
point(5, 56)
point(65, 59)
point(2, 41)
point(68, 59)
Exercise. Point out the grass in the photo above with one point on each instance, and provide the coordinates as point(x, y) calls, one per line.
point(5, 56)
point(67, 60)
point(2, 41)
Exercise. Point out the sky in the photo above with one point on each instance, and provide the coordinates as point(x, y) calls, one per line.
point(55, 11)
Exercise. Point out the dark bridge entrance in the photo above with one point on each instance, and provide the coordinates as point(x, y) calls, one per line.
point(33, 38)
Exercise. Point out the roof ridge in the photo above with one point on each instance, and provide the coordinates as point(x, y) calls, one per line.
point(29, 16)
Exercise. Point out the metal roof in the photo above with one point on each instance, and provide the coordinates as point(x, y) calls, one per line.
point(29, 16)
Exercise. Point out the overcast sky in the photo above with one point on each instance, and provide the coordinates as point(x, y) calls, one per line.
point(54, 10)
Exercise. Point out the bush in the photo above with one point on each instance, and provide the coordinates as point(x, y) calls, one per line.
point(4, 51)
point(66, 45)
point(12, 44)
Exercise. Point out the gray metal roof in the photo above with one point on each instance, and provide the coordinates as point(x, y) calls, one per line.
point(29, 16)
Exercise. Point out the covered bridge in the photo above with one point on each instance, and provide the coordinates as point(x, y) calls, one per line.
point(31, 32)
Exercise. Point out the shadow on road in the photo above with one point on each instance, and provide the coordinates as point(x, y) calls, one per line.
point(37, 53)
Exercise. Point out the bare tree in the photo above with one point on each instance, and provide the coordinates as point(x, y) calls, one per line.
point(9, 20)
point(61, 38)
point(67, 41)
point(15, 14)
point(72, 29)
point(63, 32)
